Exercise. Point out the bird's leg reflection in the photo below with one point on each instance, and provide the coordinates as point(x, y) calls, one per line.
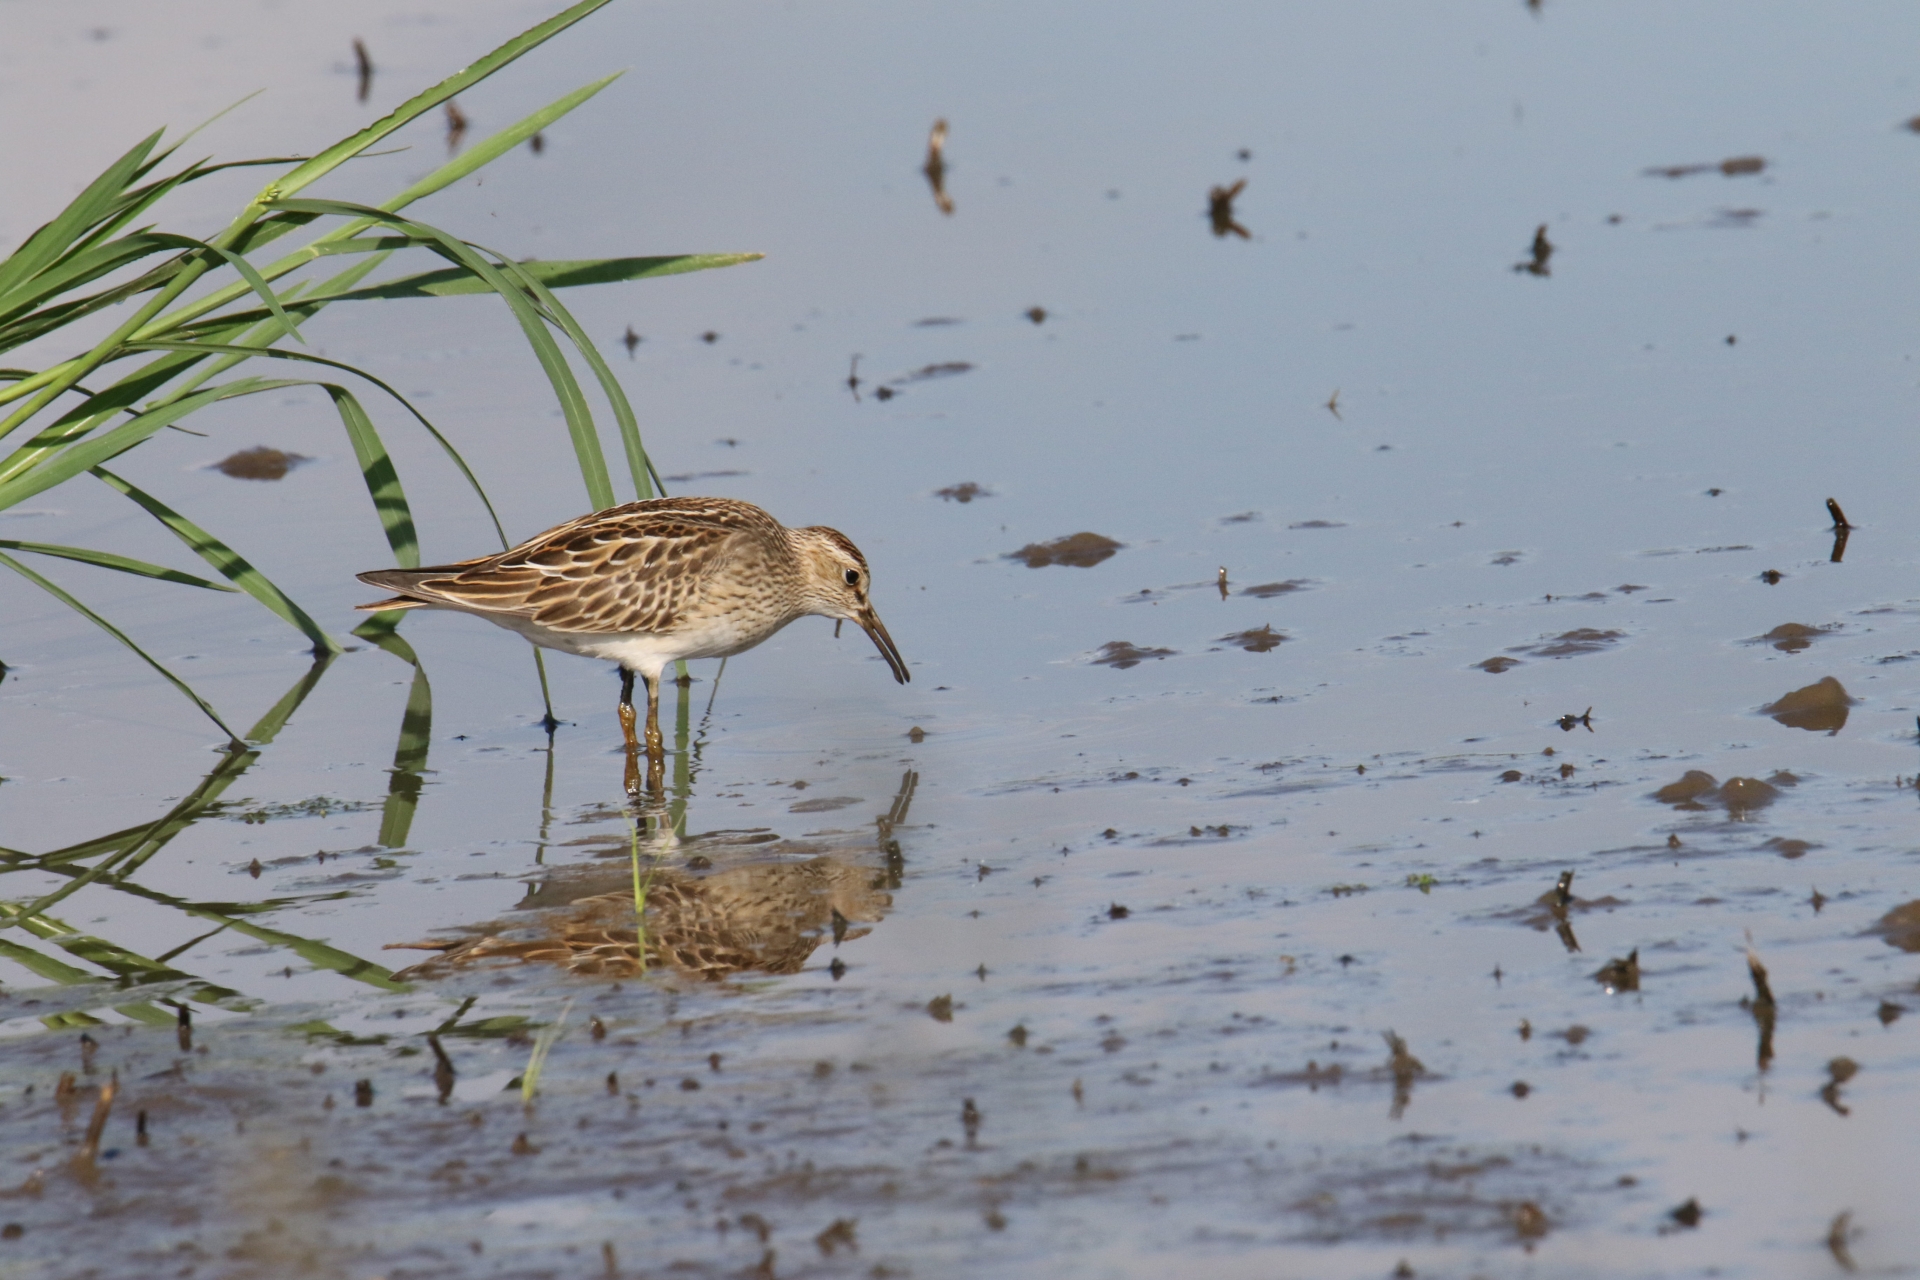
point(887, 842)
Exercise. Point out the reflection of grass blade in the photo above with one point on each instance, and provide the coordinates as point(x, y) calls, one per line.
point(542, 1045)
point(269, 725)
point(383, 481)
point(683, 759)
point(119, 635)
point(416, 734)
point(231, 564)
point(640, 888)
point(107, 560)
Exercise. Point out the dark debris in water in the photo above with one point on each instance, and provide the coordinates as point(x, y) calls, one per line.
point(1268, 590)
point(1572, 644)
point(964, 492)
point(1696, 790)
point(1791, 637)
point(1122, 654)
point(1080, 551)
point(259, 463)
point(1261, 639)
point(1731, 167)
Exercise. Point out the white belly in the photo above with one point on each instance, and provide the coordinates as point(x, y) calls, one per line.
point(645, 652)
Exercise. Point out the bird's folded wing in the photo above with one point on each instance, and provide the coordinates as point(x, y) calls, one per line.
point(605, 577)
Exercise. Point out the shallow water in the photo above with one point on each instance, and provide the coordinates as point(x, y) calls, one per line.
point(1128, 930)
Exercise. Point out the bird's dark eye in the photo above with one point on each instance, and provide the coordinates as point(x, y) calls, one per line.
point(853, 577)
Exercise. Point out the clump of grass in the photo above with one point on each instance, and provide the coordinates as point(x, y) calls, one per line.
point(168, 357)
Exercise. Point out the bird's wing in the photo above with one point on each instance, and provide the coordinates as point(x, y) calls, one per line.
point(632, 568)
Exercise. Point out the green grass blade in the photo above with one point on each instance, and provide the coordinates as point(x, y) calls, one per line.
point(230, 563)
point(383, 481)
point(54, 590)
point(45, 246)
point(638, 465)
point(247, 273)
point(586, 443)
point(543, 1043)
point(90, 453)
point(78, 269)
point(460, 166)
point(45, 965)
point(241, 352)
point(423, 102)
point(554, 275)
point(107, 560)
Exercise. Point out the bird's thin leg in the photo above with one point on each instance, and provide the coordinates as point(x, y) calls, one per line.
point(656, 745)
point(626, 707)
point(627, 717)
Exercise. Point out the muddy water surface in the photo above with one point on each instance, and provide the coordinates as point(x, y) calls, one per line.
point(1289, 613)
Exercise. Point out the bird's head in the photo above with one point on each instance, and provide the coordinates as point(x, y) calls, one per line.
point(836, 586)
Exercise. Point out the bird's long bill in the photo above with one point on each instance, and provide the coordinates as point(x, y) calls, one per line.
point(870, 622)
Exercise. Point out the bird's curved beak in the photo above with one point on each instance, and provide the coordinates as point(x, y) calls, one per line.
point(870, 623)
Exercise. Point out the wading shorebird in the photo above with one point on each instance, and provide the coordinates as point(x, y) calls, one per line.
point(651, 582)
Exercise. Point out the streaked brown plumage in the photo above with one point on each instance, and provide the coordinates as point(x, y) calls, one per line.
point(651, 582)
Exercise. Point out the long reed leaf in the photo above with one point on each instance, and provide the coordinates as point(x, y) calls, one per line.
point(446, 175)
point(107, 560)
point(63, 597)
point(45, 245)
point(231, 564)
point(88, 454)
point(554, 275)
point(383, 481)
point(566, 388)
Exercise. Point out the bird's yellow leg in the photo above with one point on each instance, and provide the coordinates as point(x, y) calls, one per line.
point(627, 717)
point(627, 720)
point(656, 745)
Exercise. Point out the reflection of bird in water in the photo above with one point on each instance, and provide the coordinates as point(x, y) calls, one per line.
point(936, 166)
point(651, 582)
point(767, 917)
point(1220, 210)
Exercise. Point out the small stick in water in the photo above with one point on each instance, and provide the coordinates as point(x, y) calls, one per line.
point(1839, 516)
point(1223, 582)
point(364, 61)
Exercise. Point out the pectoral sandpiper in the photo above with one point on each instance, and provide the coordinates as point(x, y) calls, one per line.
point(650, 582)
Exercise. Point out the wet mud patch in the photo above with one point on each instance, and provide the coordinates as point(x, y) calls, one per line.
point(1079, 550)
point(259, 463)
